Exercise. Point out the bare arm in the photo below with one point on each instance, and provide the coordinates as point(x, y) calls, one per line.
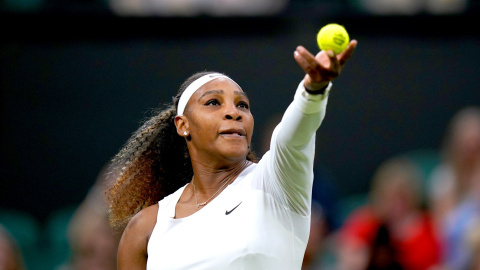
point(132, 250)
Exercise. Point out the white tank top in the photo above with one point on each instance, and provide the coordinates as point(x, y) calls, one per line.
point(262, 219)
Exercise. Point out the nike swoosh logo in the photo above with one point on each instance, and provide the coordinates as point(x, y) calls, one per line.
point(228, 212)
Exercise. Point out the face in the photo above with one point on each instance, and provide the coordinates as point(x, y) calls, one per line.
point(218, 121)
point(396, 198)
point(466, 141)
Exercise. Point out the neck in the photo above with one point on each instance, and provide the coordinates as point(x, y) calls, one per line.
point(208, 179)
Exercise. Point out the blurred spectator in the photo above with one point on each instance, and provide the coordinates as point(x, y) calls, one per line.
point(446, 6)
point(197, 7)
point(455, 188)
point(391, 231)
point(10, 255)
point(382, 252)
point(411, 7)
point(390, 7)
point(460, 154)
point(312, 259)
point(93, 243)
point(474, 244)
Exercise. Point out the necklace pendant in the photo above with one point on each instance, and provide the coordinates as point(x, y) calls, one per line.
point(201, 204)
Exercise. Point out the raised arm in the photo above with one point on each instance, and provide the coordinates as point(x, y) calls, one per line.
point(289, 163)
point(320, 70)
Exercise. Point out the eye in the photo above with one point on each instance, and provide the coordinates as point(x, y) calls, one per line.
point(212, 102)
point(243, 105)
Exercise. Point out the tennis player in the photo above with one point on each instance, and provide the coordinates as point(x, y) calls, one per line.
point(192, 195)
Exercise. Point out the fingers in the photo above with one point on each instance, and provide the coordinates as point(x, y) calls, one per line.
point(311, 65)
point(309, 58)
point(335, 66)
point(347, 53)
point(305, 59)
point(302, 62)
point(325, 66)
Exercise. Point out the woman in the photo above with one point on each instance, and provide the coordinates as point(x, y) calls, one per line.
point(455, 188)
point(451, 179)
point(391, 231)
point(93, 245)
point(218, 208)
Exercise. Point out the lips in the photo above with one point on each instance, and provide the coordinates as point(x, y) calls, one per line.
point(233, 132)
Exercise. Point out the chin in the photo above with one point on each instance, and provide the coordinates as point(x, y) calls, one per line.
point(236, 153)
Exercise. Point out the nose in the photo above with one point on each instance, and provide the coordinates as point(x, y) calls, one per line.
point(233, 117)
point(231, 113)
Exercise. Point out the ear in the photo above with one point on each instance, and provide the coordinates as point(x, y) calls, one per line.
point(181, 123)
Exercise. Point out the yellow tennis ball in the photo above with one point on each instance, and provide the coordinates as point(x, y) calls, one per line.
point(333, 37)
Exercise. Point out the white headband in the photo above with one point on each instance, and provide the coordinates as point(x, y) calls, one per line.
point(194, 86)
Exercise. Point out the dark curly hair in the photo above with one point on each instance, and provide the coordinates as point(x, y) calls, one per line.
point(153, 163)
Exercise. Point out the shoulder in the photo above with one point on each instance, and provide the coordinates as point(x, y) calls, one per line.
point(133, 244)
point(143, 222)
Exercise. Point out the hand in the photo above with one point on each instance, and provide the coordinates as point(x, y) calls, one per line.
point(324, 67)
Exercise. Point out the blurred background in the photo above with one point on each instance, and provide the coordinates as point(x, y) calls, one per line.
point(78, 76)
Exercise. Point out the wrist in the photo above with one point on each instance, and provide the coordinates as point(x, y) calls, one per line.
point(320, 91)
